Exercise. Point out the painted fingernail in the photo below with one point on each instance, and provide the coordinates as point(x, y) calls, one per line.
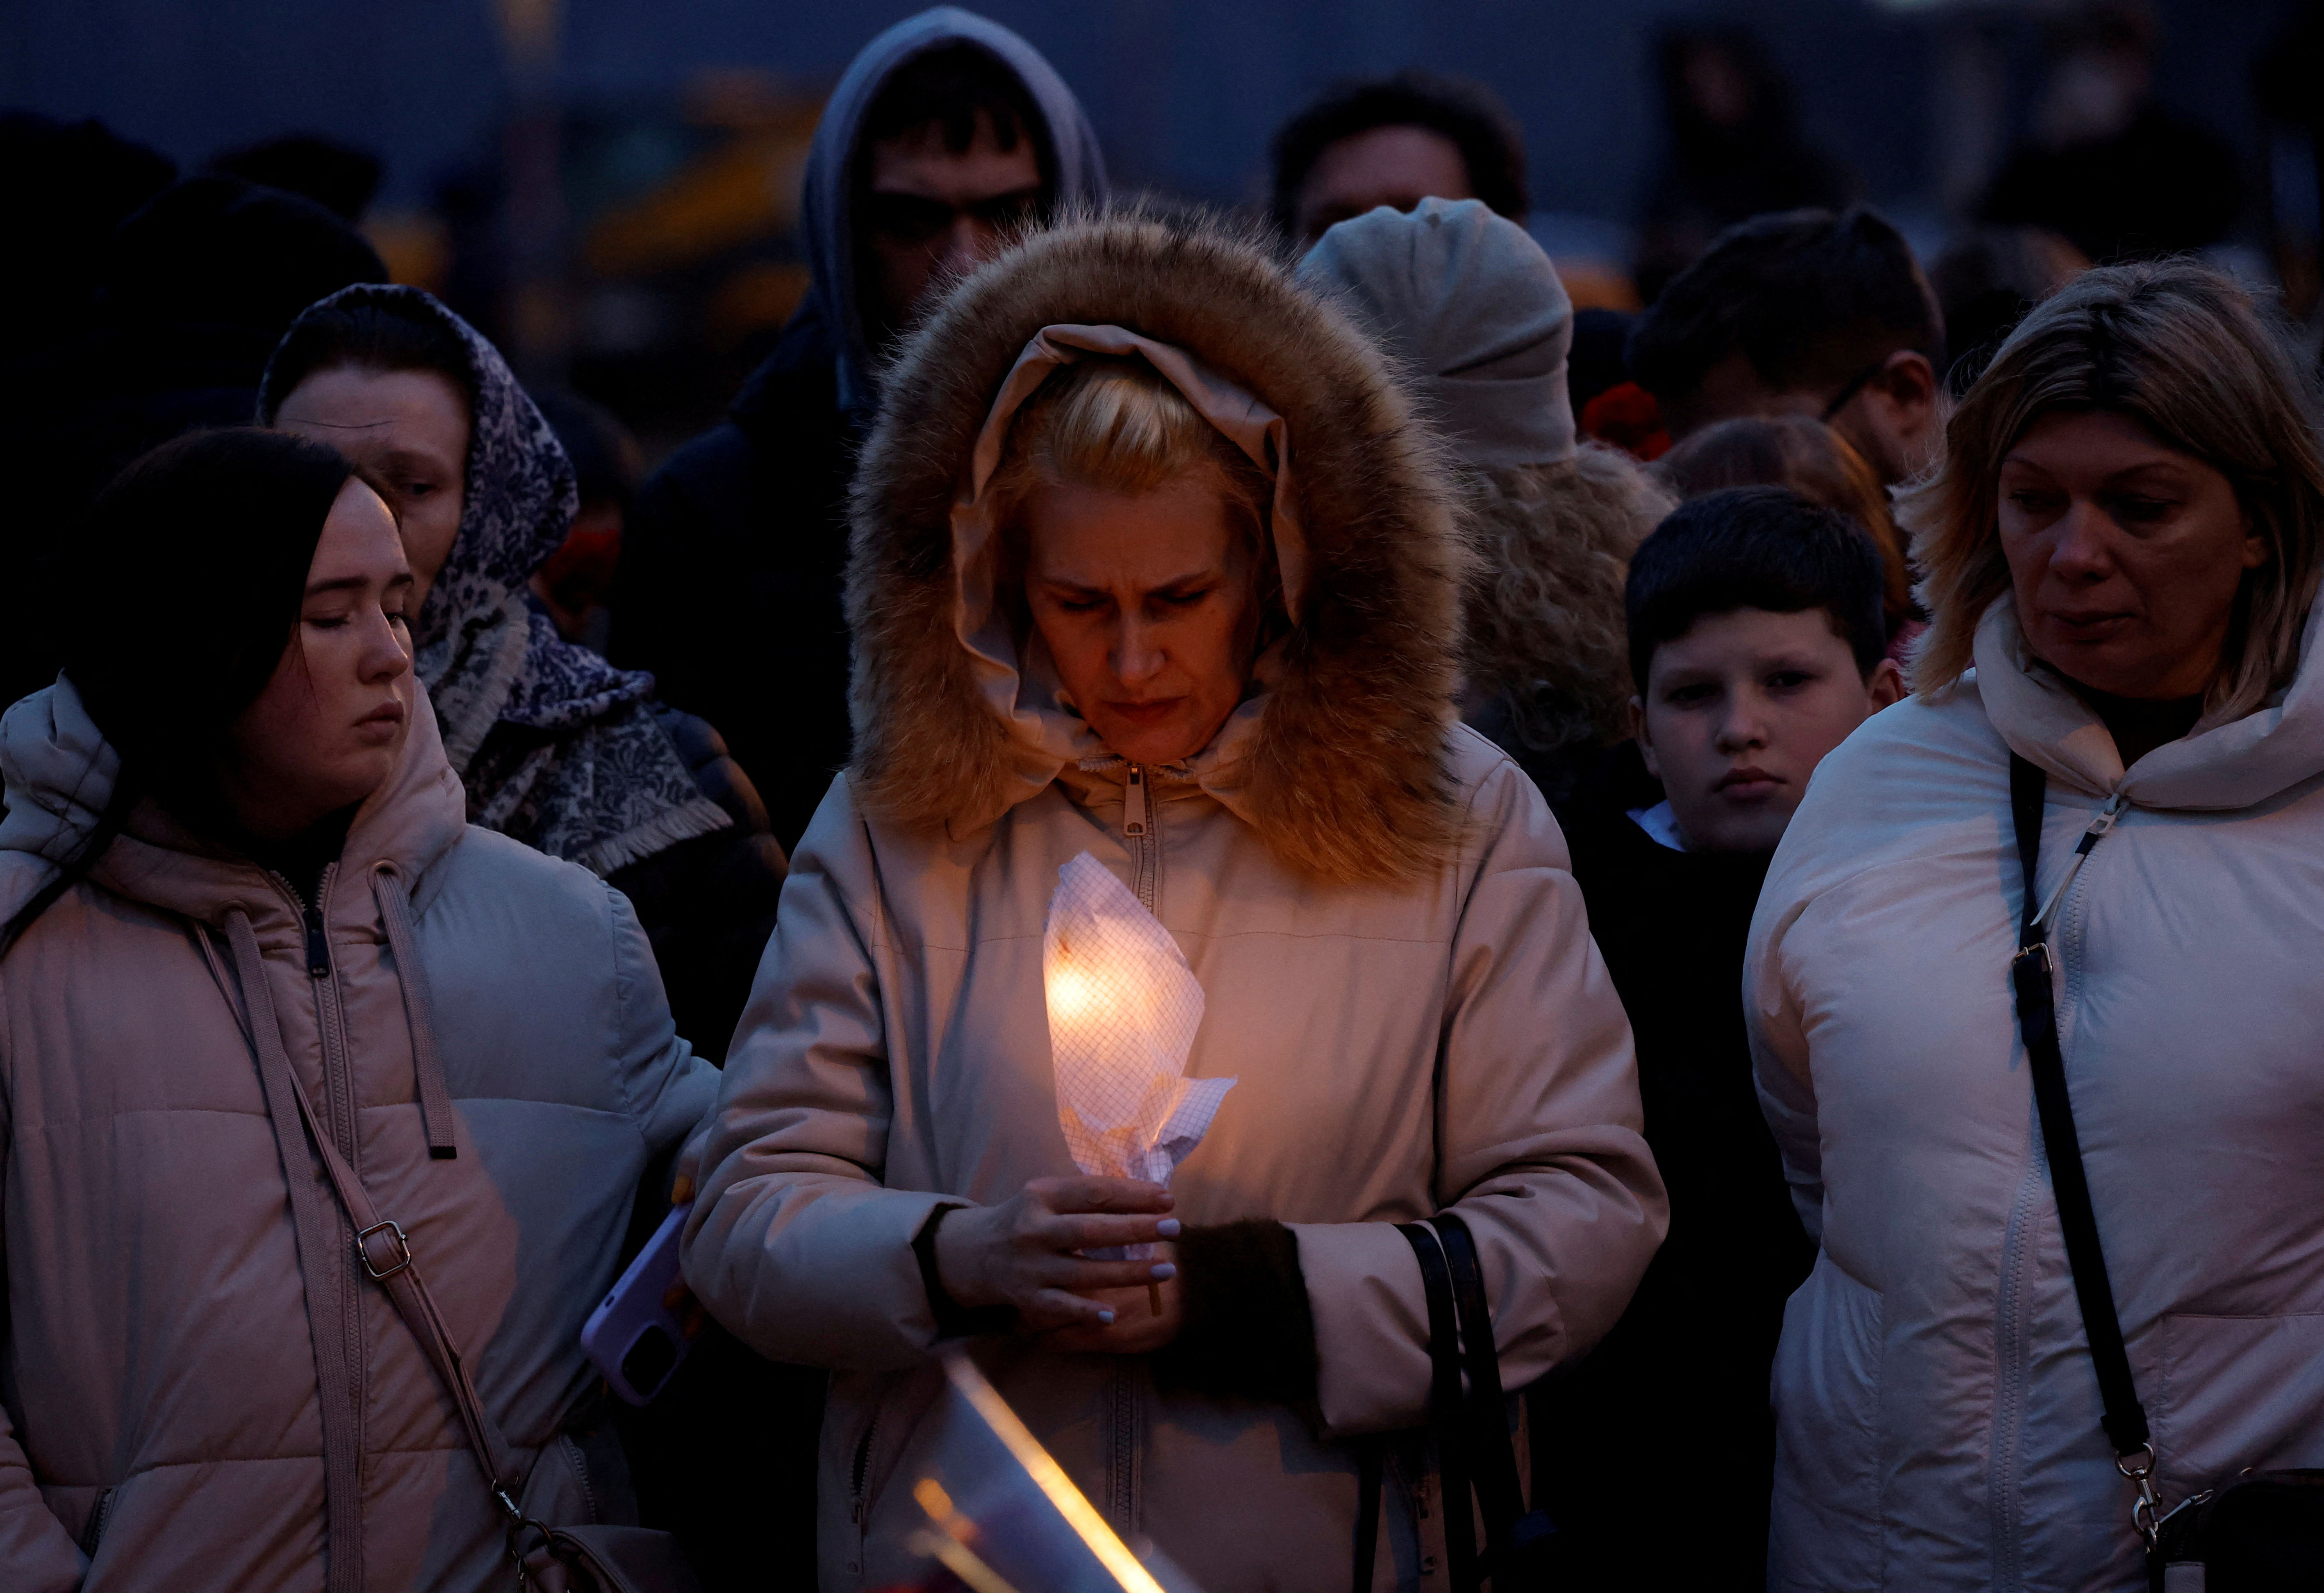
point(1167, 1228)
point(1162, 1269)
point(1105, 1318)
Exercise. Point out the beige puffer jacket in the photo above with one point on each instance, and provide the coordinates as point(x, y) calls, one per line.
point(1375, 902)
point(166, 1424)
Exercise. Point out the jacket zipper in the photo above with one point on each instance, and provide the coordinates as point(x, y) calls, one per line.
point(861, 1475)
point(1141, 826)
point(1121, 1503)
point(338, 1094)
point(99, 1519)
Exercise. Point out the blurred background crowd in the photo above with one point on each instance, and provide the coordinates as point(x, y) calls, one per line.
point(608, 188)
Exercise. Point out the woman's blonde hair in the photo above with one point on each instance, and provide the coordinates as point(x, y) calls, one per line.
point(1545, 629)
point(2184, 351)
point(1118, 424)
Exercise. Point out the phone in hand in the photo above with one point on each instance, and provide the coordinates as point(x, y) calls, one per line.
point(637, 1336)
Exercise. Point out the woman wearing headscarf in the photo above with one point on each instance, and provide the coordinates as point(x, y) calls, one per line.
point(1471, 304)
point(2121, 677)
point(1154, 564)
point(556, 747)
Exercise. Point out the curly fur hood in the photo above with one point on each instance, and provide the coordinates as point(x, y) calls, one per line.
point(1344, 767)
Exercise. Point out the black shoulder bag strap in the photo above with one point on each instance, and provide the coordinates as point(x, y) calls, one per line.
point(1511, 1530)
point(1469, 1418)
point(2031, 972)
point(1446, 1420)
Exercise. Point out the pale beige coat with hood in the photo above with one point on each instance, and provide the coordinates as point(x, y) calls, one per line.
point(1376, 901)
point(167, 1427)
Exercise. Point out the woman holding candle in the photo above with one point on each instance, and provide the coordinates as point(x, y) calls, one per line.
point(1152, 562)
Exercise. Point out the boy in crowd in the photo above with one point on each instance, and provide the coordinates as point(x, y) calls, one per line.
point(1396, 141)
point(1802, 312)
point(1756, 643)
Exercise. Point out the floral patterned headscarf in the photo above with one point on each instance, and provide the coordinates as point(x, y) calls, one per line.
point(557, 748)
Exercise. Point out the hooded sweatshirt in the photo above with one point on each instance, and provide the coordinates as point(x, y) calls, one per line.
point(1937, 1412)
point(1393, 955)
point(731, 568)
point(202, 1392)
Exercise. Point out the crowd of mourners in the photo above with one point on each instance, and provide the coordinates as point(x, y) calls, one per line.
point(1788, 836)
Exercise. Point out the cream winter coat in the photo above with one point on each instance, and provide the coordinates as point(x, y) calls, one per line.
point(166, 1424)
point(1376, 904)
point(1938, 1416)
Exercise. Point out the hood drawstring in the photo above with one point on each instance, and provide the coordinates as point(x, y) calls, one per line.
point(419, 1012)
point(419, 1005)
point(383, 1249)
point(319, 1259)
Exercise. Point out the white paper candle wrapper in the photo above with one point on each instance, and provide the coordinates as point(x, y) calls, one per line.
point(1123, 1010)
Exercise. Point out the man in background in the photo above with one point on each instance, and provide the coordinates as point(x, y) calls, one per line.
point(1396, 141)
point(1803, 312)
point(946, 132)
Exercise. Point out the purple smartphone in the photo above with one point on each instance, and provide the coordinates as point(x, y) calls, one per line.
point(635, 1338)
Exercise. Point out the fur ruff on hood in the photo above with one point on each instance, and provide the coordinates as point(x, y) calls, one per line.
point(1347, 776)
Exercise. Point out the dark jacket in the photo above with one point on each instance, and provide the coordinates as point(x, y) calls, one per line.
point(732, 561)
point(708, 902)
point(730, 578)
point(181, 305)
point(1667, 1423)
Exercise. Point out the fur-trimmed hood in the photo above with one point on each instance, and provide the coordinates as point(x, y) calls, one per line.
point(1340, 758)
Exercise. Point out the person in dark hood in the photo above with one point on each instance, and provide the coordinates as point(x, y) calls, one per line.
point(195, 288)
point(556, 747)
point(946, 132)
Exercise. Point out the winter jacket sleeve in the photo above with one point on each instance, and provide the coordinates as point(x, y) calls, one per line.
point(795, 1244)
point(1540, 1147)
point(37, 1555)
point(668, 1087)
point(1779, 1048)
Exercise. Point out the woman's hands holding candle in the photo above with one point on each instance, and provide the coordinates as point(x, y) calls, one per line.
point(1137, 1328)
point(1021, 1254)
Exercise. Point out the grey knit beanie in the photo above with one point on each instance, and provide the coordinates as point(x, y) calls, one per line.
point(1472, 302)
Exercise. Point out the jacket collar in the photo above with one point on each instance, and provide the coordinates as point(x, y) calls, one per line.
point(61, 774)
point(2220, 767)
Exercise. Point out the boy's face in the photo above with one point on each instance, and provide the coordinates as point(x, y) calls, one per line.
point(1738, 713)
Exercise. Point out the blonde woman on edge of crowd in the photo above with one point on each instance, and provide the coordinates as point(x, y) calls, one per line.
point(2121, 557)
point(1152, 563)
point(1468, 301)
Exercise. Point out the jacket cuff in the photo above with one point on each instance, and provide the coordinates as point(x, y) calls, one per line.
point(1246, 1330)
point(953, 1320)
point(1371, 1326)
